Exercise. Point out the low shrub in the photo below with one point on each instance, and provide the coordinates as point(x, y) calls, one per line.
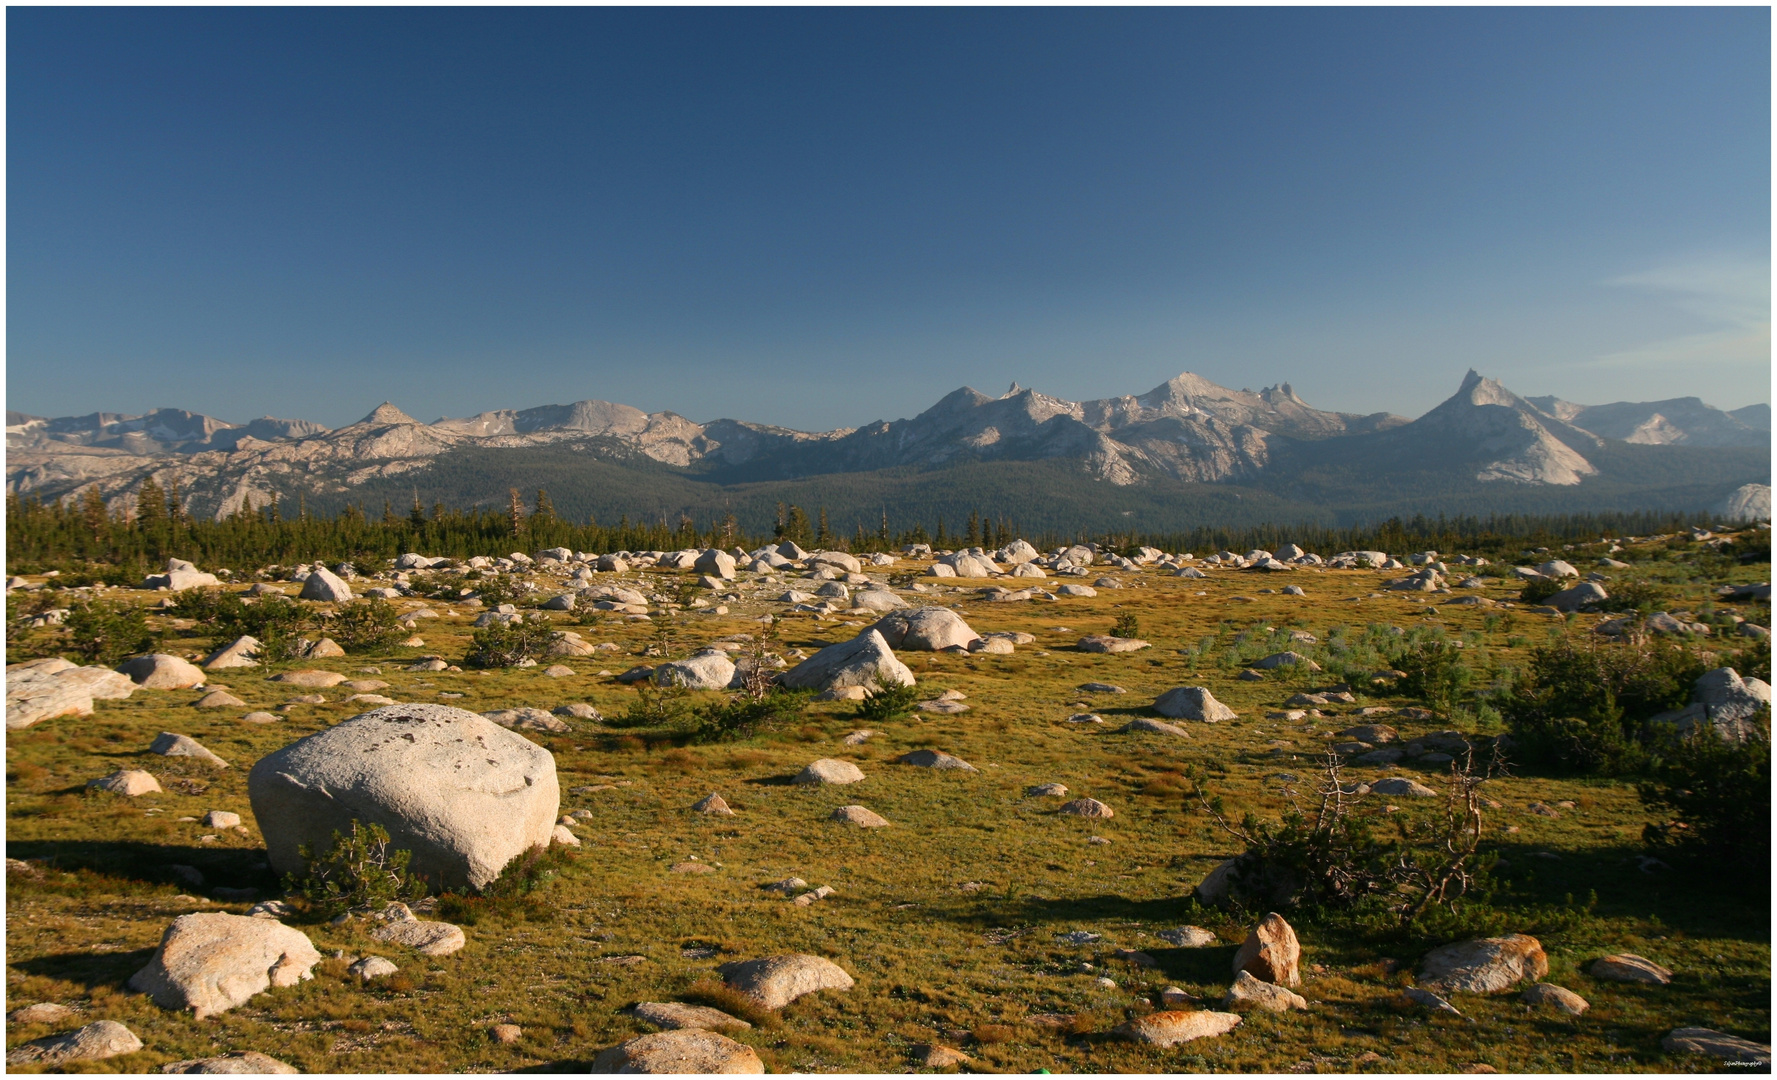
point(1638, 596)
point(507, 644)
point(356, 871)
point(369, 625)
point(103, 633)
point(517, 891)
point(744, 715)
point(1127, 626)
point(1719, 795)
point(655, 706)
point(1540, 589)
point(1581, 708)
point(882, 704)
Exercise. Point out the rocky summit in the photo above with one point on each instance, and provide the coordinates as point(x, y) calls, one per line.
point(1187, 430)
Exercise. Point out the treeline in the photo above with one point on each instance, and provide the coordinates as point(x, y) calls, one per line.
point(72, 534)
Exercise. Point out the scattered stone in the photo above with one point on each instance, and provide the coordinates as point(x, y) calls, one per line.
point(932, 1056)
point(221, 819)
point(1628, 967)
point(1086, 808)
point(314, 679)
point(673, 1015)
point(162, 671)
point(421, 935)
point(830, 771)
point(1102, 688)
point(241, 652)
point(463, 794)
point(528, 719)
point(270, 909)
point(561, 835)
point(1285, 659)
point(1271, 952)
point(775, 981)
point(1189, 937)
point(1170, 1027)
point(1250, 993)
point(859, 816)
point(1156, 727)
point(713, 804)
point(935, 759)
point(130, 782)
point(1716, 1044)
point(506, 1034)
point(1556, 997)
point(857, 738)
point(1175, 998)
point(680, 1051)
point(1401, 785)
point(690, 866)
point(44, 1012)
point(1045, 791)
point(372, 967)
point(95, 1042)
point(1425, 999)
point(1192, 703)
point(171, 745)
point(210, 962)
point(864, 660)
point(1484, 965)
point(1105, 643)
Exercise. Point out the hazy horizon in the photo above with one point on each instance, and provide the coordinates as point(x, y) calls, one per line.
point(818, 218)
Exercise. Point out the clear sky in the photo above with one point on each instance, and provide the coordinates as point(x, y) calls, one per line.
point(818, 218)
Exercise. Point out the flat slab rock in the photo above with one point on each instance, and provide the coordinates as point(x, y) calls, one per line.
point(1250, 993)
point(680, 1051)
point(250, 1063)
point(775, 981)
point(1189, 937)
point(95, 1042)
point(672, 1015)
point(1717, 1044)
point(862, 817)
point(210, 962)
point(1105, 643)
point(935, 759)
point(1143, 724)
point(1628, 967)
point(1087, 808)
point(830, 771)
point(1171, 1027)
point(1484, 965)
point(423, 936)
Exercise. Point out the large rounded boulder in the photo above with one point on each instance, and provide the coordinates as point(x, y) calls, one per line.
point(462, 793)
point(928, 629)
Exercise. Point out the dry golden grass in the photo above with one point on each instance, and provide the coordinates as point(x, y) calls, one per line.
point(948, 919)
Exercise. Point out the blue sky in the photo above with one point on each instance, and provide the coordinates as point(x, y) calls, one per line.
point(818, 218)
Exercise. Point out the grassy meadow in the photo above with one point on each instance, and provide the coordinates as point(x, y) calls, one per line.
point(949, 919)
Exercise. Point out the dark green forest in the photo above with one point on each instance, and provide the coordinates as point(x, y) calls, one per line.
point(87, 541)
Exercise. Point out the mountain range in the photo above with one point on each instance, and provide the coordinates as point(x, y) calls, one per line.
point(1186, 450)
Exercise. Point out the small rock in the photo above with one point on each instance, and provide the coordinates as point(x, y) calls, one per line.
point(935, 759)
point(713, 804)
point(1484, 965)
point(372, 967)
point(561, 835)
point(172, 745)
point(1428, 1000)
point(130, 782)
point(247, 1063)
point(1188, 937)
point(1556, 997)
point(775, 981)
point(221, 819)
point(424, 937)
point(1250, 993)
point(1043, 791)
point(1401, 785)
point(672, 1015)
point(1171, 1027)
point(859, 816)
point(1271, 952)
point(1086, 808)
point(830, 771)
point(44, 1012)
point(94, 1042)
point(931, 1056)
point(680, 1051)
point(1697, 1040)
point(1628, 967)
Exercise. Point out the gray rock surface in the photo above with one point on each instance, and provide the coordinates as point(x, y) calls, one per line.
point(775, 981)
point(95, 1042)
point(864, 660)
point(926, 629)
point(1192, 703)
point(210, 962)
point(162, 671)
point(1484, 965)
point(680, 1051)
point(463, 794)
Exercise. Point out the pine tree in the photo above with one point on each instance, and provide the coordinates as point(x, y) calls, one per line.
point(796, 527)
point(545, 508)
point(973, 539)
point(780, 530)
point(151, 506)
point(93, 513)
point(824, 538)
point(515, 512)
point(416, 515)
point(882, 531)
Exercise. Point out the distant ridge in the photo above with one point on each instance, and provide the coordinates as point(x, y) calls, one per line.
point(1187, 434)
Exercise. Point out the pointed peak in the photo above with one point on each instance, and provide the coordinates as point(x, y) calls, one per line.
point(1014, 390)
point(387, 414)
